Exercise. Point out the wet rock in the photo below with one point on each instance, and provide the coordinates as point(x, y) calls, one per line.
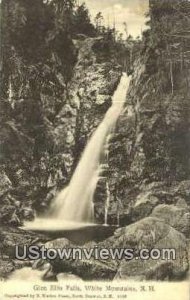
point(150, 233)
point(183, 189)
point(164, 193)
point(86, 269)
point(27, 213)
point(45, 268)
point(10, 237)
point(90, 244)
point(5, 183)
point(180, 202)
point(145, 270)
point(175, 216)
point(7, 212)
point(143, 206)
point(14, 220)
point(41, 265)
point(49, 274)
point(103, 99)
point(59, 244)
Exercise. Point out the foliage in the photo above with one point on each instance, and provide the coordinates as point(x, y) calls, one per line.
point(81, 21)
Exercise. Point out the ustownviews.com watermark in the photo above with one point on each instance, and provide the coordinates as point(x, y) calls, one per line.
point(41, 252)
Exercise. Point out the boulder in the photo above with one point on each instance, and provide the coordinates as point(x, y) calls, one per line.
point(144, 270)
point(90, 269)
point(180, 202)
point(102, 99)
point(10, 237)
point(175, 216)
point(183, 189)
point(144, 205)
point(59, 244)
point(150, 233)
point(5, 183)
point(27, 213)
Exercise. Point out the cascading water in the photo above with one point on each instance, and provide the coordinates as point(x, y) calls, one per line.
point(10, 94)
point(107, 204)
point(75, 203)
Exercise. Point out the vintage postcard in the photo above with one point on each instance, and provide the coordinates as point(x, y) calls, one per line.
point(95, 149)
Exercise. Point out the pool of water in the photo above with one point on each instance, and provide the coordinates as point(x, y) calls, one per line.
point(78, 233)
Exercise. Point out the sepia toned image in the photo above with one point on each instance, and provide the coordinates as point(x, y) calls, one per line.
point(95, 148)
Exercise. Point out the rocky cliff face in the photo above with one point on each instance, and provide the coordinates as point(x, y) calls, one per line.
point(149, 162)
point(46, 120)
point(147, 171)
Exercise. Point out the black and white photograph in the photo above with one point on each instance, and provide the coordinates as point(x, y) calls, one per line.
point(94, 143)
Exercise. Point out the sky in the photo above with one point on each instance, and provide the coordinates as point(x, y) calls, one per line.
point(130, 11)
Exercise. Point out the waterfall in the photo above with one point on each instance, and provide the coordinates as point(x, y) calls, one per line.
point(76, 203)
point(107, 204)
point(10, 94)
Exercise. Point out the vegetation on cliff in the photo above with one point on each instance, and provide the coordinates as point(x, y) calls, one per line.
point(50, 50)
point(59, 72)
point(151, 142)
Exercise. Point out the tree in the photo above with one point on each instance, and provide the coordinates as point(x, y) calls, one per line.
point(126, 29)
point(81, 21)
point(98, 20)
